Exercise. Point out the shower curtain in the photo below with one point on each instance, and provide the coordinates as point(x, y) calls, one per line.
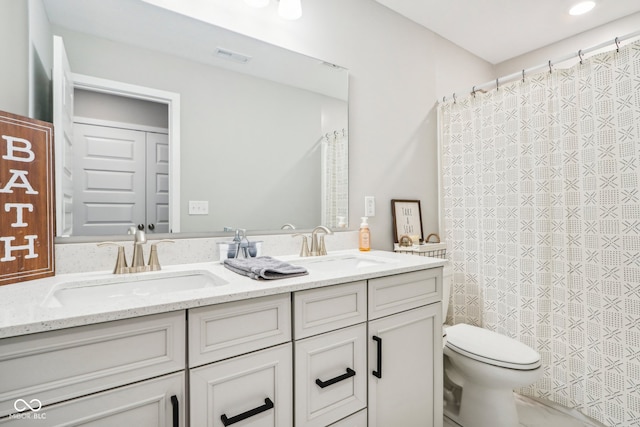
point(541, 209)
point(335, 178)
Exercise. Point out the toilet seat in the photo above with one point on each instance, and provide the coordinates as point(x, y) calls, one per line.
point(490, 347)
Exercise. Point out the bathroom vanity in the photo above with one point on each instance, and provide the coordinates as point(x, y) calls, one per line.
point(355, 343)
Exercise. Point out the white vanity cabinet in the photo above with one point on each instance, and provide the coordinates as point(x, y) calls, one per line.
point(68, 371)
point(240, 357)
point(405, 350)
point(363, 353)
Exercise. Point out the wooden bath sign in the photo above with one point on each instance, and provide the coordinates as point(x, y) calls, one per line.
point(26, 199)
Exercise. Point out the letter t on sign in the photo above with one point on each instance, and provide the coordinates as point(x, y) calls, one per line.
point(26, 199)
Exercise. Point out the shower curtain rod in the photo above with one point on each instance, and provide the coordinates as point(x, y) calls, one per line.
point(522, 74)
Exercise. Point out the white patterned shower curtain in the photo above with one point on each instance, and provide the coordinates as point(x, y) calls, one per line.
point(335, 178)
point(541, 209)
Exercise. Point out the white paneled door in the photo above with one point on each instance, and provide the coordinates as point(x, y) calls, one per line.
point(157, 182)
point(120, 180)
point(63, 127)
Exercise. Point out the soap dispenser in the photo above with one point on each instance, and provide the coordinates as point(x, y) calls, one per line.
point(365, 235)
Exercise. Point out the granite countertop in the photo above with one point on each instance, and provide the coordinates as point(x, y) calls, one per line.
point(28, 307)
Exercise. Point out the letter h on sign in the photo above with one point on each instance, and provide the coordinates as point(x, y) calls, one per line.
point(26, 199)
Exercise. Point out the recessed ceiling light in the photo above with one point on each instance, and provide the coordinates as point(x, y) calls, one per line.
point(582, 7)
point(257, 3)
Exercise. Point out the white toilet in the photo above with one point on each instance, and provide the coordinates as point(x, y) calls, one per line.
point(482, 368)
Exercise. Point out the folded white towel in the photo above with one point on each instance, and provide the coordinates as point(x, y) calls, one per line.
point(264, 267)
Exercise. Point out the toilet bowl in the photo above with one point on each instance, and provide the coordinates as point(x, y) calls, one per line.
point(482, 368)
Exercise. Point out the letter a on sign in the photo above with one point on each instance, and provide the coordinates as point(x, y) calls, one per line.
point(27, 222)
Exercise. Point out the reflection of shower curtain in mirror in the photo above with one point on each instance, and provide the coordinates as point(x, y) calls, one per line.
point(335, 178)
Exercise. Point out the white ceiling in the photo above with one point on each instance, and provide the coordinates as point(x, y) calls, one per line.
point(497, 30)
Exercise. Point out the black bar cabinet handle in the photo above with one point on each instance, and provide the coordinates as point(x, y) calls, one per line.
point(378, 372)
point(350, 373)
point(268, 404)
point(176, 411)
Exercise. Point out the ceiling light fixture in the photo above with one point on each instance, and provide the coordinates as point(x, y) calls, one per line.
point(582, 7)
point(257, 3)
point(290, 9)
point(287, 9)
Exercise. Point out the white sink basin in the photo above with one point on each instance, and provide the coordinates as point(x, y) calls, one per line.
point(85, 292)
point(341, 262)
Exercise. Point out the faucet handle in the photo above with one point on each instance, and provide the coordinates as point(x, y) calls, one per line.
point(121, 262)
point(322, 249)
point(304, 250)
point(154, 263)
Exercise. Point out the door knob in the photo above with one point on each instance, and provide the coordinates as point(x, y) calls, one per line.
point(141, 227)
point(151, 227)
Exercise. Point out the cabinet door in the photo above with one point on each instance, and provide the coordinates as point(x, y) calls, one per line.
point(405, 363)
point(252, 390)
point(153, 403)
point(331, 376)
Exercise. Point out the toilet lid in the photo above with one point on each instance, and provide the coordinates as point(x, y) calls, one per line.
point(492, 348)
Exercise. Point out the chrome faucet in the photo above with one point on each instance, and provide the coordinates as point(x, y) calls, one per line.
point(317, 246)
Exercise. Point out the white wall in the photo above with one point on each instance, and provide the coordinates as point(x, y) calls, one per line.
point(14, 96)
point(604, 33)
point(121, 109)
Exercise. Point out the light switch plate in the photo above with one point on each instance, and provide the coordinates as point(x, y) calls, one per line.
point(198, 207)
point(369, 206)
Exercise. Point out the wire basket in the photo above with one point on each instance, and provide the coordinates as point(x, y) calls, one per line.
point(433, 250)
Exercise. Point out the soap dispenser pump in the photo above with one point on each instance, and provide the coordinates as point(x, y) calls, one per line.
point(365, 235)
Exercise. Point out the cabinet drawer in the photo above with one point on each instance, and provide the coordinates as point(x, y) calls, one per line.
point(325, 309)
point(239, 388)
point(359, 419)
point(393, 294)
point(220, 331)
point(64, 364)
point(153, 402)
point(330, 376)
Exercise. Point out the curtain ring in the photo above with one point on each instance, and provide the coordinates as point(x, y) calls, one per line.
point(617, 40)
point(523, 75)
point(580, 56)
point(455, 101)
point(550, 69)
point(473, 91)
point(497, 84)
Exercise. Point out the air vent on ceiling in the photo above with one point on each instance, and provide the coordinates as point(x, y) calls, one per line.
point(232, 56)
point(334, 66)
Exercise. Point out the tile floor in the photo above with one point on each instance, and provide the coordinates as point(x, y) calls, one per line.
point(535, 414)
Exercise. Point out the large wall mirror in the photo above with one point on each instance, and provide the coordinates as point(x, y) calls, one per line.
point(263, 132)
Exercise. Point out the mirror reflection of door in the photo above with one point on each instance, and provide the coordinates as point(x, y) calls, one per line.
point(120, 180)
point(63, 127)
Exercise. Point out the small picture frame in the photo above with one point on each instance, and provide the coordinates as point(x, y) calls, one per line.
point(407, 219)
